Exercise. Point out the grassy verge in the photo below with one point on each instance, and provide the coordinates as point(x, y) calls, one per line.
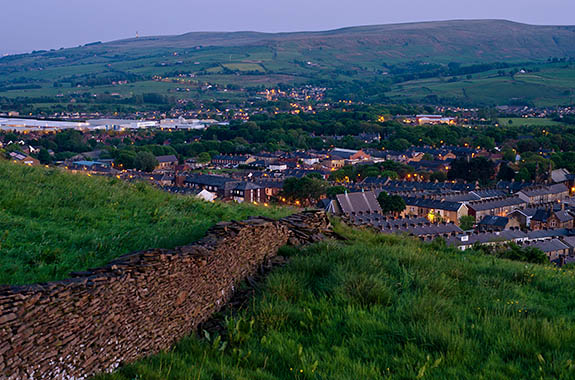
point(52, 222)
point(380, 307)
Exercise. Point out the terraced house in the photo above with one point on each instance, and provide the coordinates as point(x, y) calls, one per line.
point(434, 210)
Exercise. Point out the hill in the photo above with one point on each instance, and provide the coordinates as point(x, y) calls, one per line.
point(53, 222)
point(381, 53)
point(380, 307)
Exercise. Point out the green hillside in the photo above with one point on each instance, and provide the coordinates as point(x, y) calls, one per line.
point(381, 53)
point(379, 307)
point(547, 86)
point(52, 222)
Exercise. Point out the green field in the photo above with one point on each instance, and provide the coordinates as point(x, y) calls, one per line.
point(552, 85)
point(53, 222)
point(528, 121)
point(380, 307)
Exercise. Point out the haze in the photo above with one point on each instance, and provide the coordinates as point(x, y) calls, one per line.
point(39, 24)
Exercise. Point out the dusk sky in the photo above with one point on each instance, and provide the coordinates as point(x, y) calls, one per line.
point(40, 24)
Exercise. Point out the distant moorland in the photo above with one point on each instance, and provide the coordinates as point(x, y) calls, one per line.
point(482, 62)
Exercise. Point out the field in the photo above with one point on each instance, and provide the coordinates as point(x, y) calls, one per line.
point(528, 121)
point(552, 85)
point(378, 307)
point(53, 222)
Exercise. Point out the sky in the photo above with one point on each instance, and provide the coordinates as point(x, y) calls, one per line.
point(28, 25)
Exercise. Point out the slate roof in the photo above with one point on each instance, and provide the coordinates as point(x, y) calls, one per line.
point(549, 245)
point(487, 237)
point(358, 202)
point(495, 221)
point(490, 204)
point(167, 159)
point(433, 204)
point(244, 186)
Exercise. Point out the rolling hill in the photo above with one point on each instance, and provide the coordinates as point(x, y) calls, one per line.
point(381, 53)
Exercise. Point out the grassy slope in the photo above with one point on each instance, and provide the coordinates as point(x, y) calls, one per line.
point(389, 308)
point(52, 222)
point(553, 85)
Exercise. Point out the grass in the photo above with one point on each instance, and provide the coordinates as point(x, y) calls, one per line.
point(552, 85)
point(528, 121)
point(53, 222)
point(379, 307)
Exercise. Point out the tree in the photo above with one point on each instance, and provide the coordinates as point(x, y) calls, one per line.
point(44, 157)
point(146, 161)
point(204, 157)
point(467, 222)
point(438, 176)
point(477, 169)
point(306, 190)
point(331, 192)
point(391, 203)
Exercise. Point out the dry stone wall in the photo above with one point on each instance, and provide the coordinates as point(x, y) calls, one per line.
point(139, 304)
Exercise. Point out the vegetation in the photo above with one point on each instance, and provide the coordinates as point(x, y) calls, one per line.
point(467, 222)
point(475, 62)
point(53, 222)
point(391, 203)
point(381, 307)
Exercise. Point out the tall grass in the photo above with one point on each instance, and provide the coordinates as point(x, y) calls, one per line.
point(52, 222)
point(381, 307)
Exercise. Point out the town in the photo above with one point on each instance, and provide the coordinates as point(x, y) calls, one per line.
point(412, 190)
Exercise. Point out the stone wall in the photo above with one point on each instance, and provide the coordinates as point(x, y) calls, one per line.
point(137, 305)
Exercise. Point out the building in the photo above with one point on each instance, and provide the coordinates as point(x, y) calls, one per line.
point(355, 204)
point(550, 219)
point(120, 125)
point(220, 185)
point(249, 192)
point(232, 161)
point(434, 119)
point(467, 241)
point(496, 223)
point(544, 194)
point(495, 206)
point(555, 249)
point(22, 158)
point(434, 210)
point(167, 162)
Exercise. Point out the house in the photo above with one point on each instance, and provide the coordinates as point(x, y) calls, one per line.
point(350, 154)
point(466, 241)
point(496, 223)
point(434, 210)
point(220, 185)
point(92, 167)
point(166, 162)
point(22, 158)
point(544, 194)
point(550, 219)
point(356, 204)
point(495, 206)
point(555, 249)
point(232, 160)
point(248, 192)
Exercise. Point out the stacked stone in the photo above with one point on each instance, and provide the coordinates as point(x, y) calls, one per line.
point(308, 227)
point(139, 304)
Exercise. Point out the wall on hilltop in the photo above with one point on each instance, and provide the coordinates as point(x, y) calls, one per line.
point(137, 305)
